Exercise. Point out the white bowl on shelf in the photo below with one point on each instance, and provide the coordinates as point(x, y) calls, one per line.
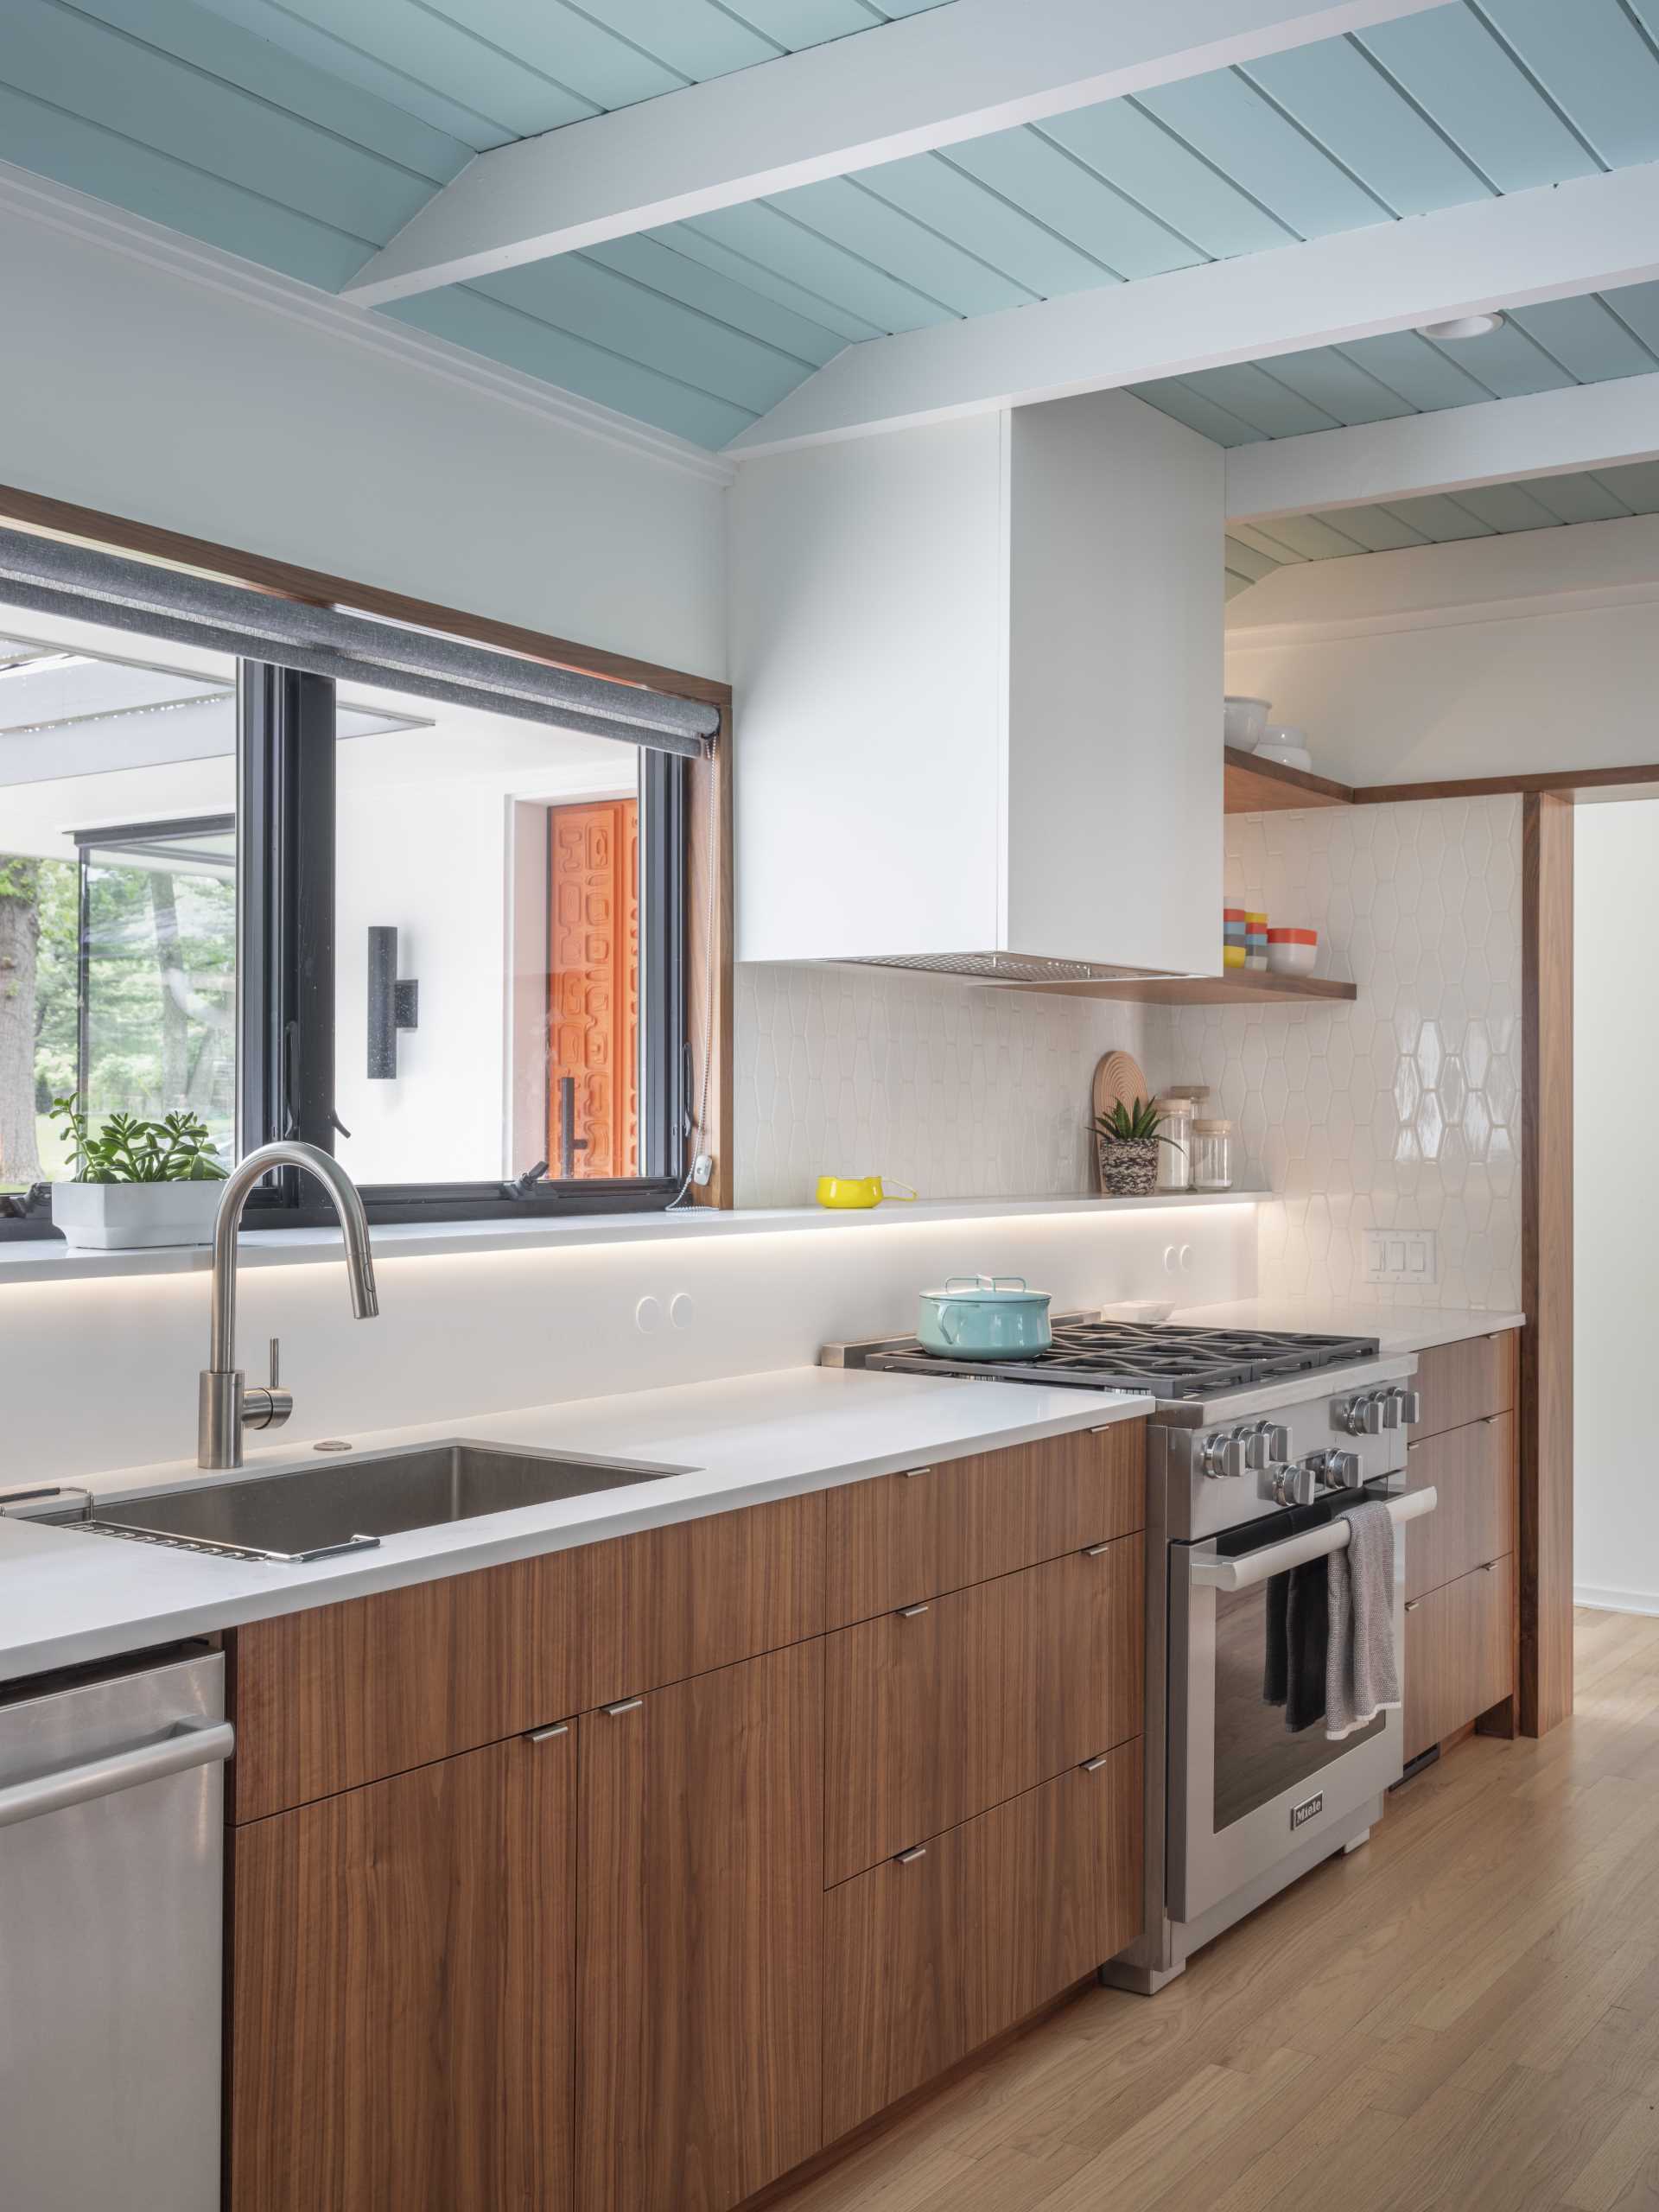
point(1288, 746)
point(1244, 721)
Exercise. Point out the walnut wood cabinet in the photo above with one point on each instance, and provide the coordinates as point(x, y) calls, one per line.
point(572, 1886)
point(401, 2020)
point(698, 1971)
point(1462, 1632)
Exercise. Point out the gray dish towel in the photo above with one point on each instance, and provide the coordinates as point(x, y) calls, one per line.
point(1361, 1674)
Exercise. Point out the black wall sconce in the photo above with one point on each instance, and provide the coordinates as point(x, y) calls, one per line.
point(392, 1006)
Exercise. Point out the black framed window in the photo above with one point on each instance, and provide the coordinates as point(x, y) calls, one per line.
point(446, 945)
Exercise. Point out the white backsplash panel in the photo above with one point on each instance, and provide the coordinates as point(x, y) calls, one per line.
point(961, 1090)
point(1400, 1112)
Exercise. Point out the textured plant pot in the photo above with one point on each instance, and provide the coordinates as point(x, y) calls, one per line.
point(1128, 1168)
point(130, 1216)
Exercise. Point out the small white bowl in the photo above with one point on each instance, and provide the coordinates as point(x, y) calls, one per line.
point(1288, 756)
point(1244, 721)
point(1292, 959)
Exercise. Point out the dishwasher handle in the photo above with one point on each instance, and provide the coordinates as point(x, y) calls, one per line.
point(190, 1744)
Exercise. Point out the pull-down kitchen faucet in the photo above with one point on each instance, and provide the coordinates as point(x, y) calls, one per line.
point(227, 1406)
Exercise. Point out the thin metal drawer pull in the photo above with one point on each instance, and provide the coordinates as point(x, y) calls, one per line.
point(911, 1473)
point(625, 1704)
point(189, 1744)
point(1094, 1551)
point(1094, 1765)
point(909, 1858)
point(546, 1735)
point(910, 1613)
point(1412, 1603)
point(1256, 1567)
point(1489, 1567)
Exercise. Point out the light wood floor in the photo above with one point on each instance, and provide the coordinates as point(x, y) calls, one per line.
point(1464, 2013)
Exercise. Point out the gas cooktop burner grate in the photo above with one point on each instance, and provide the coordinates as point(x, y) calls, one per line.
point(1167, 1362)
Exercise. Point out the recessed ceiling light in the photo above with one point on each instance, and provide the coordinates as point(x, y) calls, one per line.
point(1461, 326)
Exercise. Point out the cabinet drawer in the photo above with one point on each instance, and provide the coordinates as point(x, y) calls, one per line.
point(934, 1716)
point(1466, 1382)
point(326, 1700)
point(1459, 1653)
point(926, 1961)
point(900, 1538)
point(1473, 1470)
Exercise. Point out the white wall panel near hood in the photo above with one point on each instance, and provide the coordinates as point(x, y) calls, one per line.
point(977, 670)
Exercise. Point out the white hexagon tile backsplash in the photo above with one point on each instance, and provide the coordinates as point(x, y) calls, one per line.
point(961, 1090)
point(1401, 1111)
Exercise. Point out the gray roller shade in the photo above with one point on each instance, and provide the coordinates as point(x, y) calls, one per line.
point(53, 577)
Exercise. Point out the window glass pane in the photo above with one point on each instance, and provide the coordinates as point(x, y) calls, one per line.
point(117, 792)
point(504, 855)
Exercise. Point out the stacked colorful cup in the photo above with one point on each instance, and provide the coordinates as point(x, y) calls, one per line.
point(1256, 940)
point(1233, 948)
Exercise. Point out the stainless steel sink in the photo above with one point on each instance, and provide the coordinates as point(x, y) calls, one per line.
point(347, 1504)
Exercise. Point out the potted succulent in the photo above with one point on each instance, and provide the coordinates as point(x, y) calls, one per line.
point(1126, 1145)
point(137, 1183)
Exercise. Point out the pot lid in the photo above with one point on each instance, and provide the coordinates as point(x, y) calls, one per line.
point(991, 1290)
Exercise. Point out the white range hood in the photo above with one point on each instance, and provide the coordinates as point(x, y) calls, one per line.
point(978, 677)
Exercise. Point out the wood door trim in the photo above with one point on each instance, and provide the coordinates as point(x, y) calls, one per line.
point(1545, 1561)
point(288, 579)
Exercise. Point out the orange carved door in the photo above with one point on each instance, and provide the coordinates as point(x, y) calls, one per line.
point(593, 972)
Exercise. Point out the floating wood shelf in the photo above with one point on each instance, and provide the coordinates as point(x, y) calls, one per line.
point(1257, 786)
point(1242, 987)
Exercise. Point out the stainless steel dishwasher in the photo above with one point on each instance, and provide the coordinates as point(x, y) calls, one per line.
point(111, 1912)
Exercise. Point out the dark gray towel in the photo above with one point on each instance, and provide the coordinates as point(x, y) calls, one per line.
point(1361, 1673)
point(1294, 1656)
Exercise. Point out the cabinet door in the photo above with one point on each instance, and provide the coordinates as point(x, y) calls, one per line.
point(1459, 1654)
point(701, 1879)
point(929, 1955)
point(403, 1961)
point(1473, 1471)
point(1466, 1381)
point(937, 1713)
point(900, 1538)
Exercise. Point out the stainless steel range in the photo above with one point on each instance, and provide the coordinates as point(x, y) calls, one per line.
point(1258, 1440)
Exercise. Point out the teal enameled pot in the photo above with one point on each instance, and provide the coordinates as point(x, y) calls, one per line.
point(984, 1317)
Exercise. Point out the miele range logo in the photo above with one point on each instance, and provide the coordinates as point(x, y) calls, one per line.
point(1300, 1815)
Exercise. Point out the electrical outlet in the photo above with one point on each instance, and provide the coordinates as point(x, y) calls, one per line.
point(1401, 1255)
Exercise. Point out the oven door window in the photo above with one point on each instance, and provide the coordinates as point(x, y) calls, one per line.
point(1257, 1758)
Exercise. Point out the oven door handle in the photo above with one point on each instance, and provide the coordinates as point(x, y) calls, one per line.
point(1256, 1567)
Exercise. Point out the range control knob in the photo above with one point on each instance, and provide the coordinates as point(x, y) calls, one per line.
point(1360, 1416)
point(1291, 1485)
point(1341, 1469)
point(1267, 1444)
point(1221, 1455)
point(1409, 1402)
point(1389, 1403)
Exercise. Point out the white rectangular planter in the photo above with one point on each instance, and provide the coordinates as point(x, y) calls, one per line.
point(128, 1216)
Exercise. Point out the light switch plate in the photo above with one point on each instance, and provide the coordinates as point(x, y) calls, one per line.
point(1401, 1255)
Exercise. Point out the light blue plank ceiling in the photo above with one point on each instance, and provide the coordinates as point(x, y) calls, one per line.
point(303, 134)
point(1255, 550)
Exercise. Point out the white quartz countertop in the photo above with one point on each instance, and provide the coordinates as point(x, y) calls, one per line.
point(66, 1597)
point(1398, 1329)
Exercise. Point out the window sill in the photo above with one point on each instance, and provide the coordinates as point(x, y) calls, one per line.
point(276, 1248)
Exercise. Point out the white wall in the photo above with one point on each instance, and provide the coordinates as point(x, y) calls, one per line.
point(158, 379)
point(96, 1374)
point(1402, 1111)
point(1615, 1201)
point(1536, 651)
point(961, 1091)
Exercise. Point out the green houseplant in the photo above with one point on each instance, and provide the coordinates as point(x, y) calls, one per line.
point(136, 1182)
point(1126, 1147)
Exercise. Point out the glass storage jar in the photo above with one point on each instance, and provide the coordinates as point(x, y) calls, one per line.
point(1175, 1153)
point(1212, 1155)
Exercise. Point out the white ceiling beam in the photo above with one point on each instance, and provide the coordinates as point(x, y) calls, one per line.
point(1596, 233)
point(931, 79)
point(1545, 434)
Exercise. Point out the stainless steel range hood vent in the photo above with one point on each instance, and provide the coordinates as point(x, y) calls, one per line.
point(1007, 967)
